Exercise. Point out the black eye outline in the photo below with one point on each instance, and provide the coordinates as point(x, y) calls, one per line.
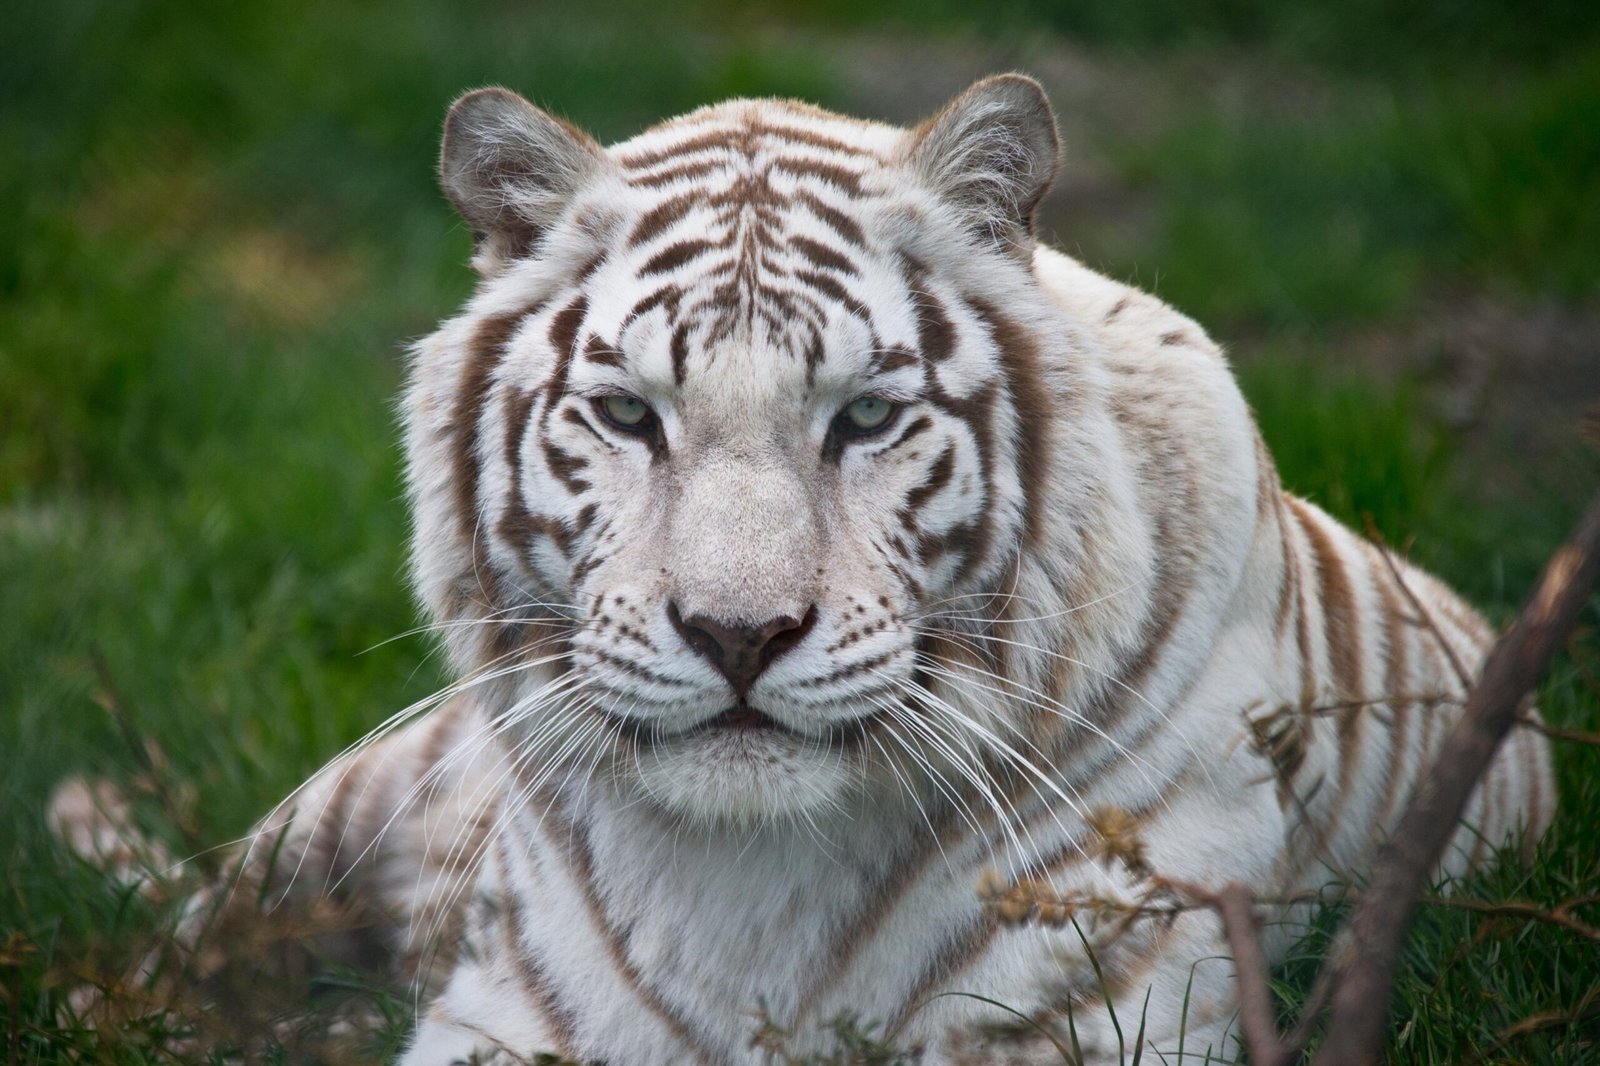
point(648, 427)
point(844, 429)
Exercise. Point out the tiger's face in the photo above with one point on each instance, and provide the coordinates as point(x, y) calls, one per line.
point(725, 446)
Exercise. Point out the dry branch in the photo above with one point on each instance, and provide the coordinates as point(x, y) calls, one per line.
point(1560, 915)
point(1256, 1013)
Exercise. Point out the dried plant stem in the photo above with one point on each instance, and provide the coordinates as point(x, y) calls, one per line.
point(1257, 1017)
point(1560, 915)
point(154, 774)
point(1588, 1009)
point(1555, 732)
point(1423, 617)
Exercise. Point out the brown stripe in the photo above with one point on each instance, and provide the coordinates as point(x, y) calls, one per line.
point(1289, 578)
point(519, 409)
point(1036, 412)
point(1497, 809)
point(563, 338)
point(572, 839)
point(936, 335)
point(565, 466)
point(1475, 826)
point(1340, 624)
point(680, 352)
point(441, 741)
point(1396, 680)
point(1164, 464)
point(574, 416)
point(956, 954)
point(1302, 620)
point(1533, 770)
point(657, 178)
point(591, 265)
point(333, 858)
point(676, 255)
point(535, 981)
point(659, 218)
point(1294, 729)
point(938, 477)
point(886, 360)
point(843, 178)
point(667, 296)
point(795, 135)
point(830, 287)
point(842, 224)
point(484, 352)
point(708, 141)
point(883, 897)
point(515, 519)
point(822, 256)
point(1267, 484)
point(1340, 612)
point(598, 351)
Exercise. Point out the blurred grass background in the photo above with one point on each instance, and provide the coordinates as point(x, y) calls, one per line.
point(221, 228)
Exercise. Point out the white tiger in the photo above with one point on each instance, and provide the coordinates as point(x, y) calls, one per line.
point(808, 540)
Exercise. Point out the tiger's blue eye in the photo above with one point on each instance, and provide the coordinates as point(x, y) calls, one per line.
point(626, 411)
point(869, 412)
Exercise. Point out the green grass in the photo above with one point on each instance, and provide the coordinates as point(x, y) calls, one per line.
point(222, 229)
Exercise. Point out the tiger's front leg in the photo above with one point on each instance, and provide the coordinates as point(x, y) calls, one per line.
point(1171, 991)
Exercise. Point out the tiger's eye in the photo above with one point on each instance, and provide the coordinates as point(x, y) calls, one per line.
point(869, 412)
point(626, 410)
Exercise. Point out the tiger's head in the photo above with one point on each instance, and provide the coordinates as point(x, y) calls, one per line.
point(724, 475)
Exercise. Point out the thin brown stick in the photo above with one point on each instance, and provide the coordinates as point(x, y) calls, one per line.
point(1588, 1008)
point(1556, 732)
point(109, 697)
point(1423, 617)
point(1367, 948)
point(1560, 915)
point(1257, 1017)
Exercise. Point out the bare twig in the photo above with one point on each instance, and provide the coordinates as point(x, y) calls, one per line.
point(1556, 732)
point(1560, 915)
point(1256, 1014)
point(1423, 617)
point(1368, 947)
point(152, 764)
point(1588, 1009)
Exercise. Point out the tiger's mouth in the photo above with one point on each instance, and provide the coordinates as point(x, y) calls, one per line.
point(744, 719)
point(742, 716)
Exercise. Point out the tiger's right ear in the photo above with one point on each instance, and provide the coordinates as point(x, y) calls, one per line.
point(510, 170)
point(992, 153)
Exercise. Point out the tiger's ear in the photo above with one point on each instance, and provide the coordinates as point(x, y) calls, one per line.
point(993, 152)
point(510, 170)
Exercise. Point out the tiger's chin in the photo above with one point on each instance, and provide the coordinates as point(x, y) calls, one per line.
point(743, 778)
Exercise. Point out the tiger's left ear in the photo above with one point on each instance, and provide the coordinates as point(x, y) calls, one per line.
point(511, 170)
point(992, 152)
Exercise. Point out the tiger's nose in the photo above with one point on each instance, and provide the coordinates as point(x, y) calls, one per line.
point(741, 652)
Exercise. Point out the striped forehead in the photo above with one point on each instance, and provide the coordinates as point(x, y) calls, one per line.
point(748, 236)
point(746, 223)
point(747, 172)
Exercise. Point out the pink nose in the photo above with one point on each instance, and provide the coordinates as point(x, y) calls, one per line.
point(741, 652)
